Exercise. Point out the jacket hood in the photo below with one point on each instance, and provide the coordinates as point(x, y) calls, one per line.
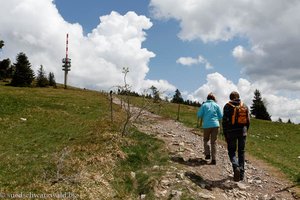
point(235, 102)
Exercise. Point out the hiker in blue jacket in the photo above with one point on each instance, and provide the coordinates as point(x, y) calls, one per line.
point(210, 114)
point(236, 122)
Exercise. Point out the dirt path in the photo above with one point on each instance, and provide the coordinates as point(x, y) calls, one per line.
point(192, 176)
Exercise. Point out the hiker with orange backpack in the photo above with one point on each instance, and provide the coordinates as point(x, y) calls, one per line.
point(236, 122)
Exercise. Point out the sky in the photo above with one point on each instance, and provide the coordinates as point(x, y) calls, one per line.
point(196, 46)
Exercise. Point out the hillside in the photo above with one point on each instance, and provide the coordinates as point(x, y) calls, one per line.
point(56, 141)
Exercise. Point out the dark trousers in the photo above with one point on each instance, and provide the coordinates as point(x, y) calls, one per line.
point(237, 142)
point(210, 134)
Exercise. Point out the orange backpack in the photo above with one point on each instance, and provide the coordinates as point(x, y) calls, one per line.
point(240, 114)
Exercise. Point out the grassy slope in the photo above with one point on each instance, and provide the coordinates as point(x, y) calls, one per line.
point(67, 144)
point(278, 144)
point(55, 119)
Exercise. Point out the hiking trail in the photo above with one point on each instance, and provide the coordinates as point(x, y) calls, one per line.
point(191, 173)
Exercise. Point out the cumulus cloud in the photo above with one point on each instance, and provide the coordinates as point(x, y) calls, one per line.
point(270, 27)
point(163, 87)
point(188, 61)
point(37, 29)
point(222, 87)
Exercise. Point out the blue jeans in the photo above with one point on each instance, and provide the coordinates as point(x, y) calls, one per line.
point(237, 142)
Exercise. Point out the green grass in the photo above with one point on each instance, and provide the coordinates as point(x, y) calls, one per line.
point(68, 144)
point(169, 110)
point(143, 153)
point(278, 144)
point(55, 119)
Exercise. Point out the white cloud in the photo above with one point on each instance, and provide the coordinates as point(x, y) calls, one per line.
point(276, 105)
point(271, 27)
point(188, 61)
point(238, 52)
point(202, 60)
point(163, 87)
point(37, 29)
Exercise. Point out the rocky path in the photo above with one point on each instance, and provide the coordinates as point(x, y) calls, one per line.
point(192, 176)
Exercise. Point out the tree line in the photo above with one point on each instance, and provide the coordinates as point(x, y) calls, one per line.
point(20, 74)
point(155, 95)
point(258, 108)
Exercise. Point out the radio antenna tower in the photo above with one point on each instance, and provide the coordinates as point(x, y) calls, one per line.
point(66, 62)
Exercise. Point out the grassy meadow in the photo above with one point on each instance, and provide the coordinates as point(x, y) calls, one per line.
point(278, 144)
point(57, 141)
point(62, 141)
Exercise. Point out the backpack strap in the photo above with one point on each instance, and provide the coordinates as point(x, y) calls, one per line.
point(241, 104)
point(229, 103)
point(233, 117)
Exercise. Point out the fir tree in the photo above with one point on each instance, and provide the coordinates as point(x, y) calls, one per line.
point(51, 79)
point(258, 108)
point(5, 69)
point(41, 80)
point(23, 75)
point(177, 98)
point(1, 44)
point(155, 93)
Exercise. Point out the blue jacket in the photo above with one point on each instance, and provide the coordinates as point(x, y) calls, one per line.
point(210, 113)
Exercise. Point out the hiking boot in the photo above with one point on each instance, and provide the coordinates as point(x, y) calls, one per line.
point(236, 174)
point(213, 162)
point(241, 176)
point(207, 157)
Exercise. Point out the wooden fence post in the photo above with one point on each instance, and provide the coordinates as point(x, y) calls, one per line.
point(178, 111)
point(111, 107)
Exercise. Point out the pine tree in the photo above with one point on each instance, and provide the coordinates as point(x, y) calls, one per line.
point(1, 44)
point(51, 79)
point(155, 93)
point(4, 64)
point(177, 98)
point(41, 79)
point(258, 108)
point(4, 69)
point(23, 75)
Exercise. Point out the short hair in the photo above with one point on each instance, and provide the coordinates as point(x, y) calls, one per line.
point(211, 96)
point(234, 95)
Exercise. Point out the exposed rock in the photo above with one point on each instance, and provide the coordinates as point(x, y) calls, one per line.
point(176, 195)
point(180, 176)
point(205, 196)
point(132, 174)
point(155, 167)
point(241, 186)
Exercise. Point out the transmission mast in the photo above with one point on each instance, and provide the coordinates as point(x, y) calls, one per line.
point(66, 62)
